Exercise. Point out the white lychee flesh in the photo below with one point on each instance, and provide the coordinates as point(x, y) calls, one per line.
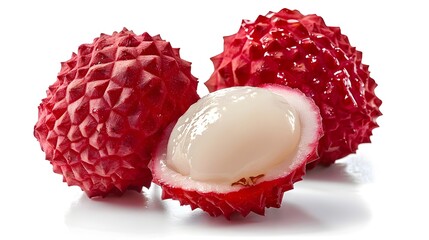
point(239, 136)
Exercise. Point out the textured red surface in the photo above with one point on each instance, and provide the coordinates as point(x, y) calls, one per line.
point(301, 51)
point(105, 113)
point(253, 198)
point(248, 199)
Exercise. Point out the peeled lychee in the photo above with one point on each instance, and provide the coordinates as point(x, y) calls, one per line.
point(237, 150)
point(301, 51)
point(107, 110)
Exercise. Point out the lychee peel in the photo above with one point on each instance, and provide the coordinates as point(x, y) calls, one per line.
point(252, 199)
point(220, 200)
point(107, 110)
point(301, 51)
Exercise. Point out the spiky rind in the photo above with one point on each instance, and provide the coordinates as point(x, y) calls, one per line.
point(105, 113)
point(256, 198)
point(248, 199)
point(301, 51)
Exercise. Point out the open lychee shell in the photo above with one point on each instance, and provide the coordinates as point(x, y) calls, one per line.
point(243, 197)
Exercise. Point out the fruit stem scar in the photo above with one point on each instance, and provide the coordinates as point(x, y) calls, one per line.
point(247, 182)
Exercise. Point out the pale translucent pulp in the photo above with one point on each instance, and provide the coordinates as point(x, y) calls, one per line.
point(232, 134)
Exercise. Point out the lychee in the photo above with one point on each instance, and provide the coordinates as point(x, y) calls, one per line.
point(301, 51)
point(108, 108)
point(237, 150)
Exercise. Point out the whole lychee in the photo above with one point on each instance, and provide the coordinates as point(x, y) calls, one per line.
point(237, 150)
point(106, 112)
point(301, 51)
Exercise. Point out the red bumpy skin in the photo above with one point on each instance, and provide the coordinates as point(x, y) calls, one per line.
point(300, 51)
point(105, 113)
point(251, 199)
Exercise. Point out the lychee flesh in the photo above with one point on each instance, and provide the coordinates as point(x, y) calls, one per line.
point(237, 150)
point(198, 148)
point(301, 51)
point(107, 110)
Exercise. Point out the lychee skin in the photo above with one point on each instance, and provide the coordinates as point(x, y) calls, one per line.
point(301, 51)
point(253, 199)
point(105, 113)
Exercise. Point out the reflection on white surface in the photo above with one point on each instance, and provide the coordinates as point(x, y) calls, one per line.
point(133, 212)
point(327, 200)
point(351, 170)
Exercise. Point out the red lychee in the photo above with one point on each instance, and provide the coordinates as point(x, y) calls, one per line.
point(237, 150)
point(104, 115)
point(301, 51)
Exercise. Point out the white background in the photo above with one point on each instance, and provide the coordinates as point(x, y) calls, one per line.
point(379, 192)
